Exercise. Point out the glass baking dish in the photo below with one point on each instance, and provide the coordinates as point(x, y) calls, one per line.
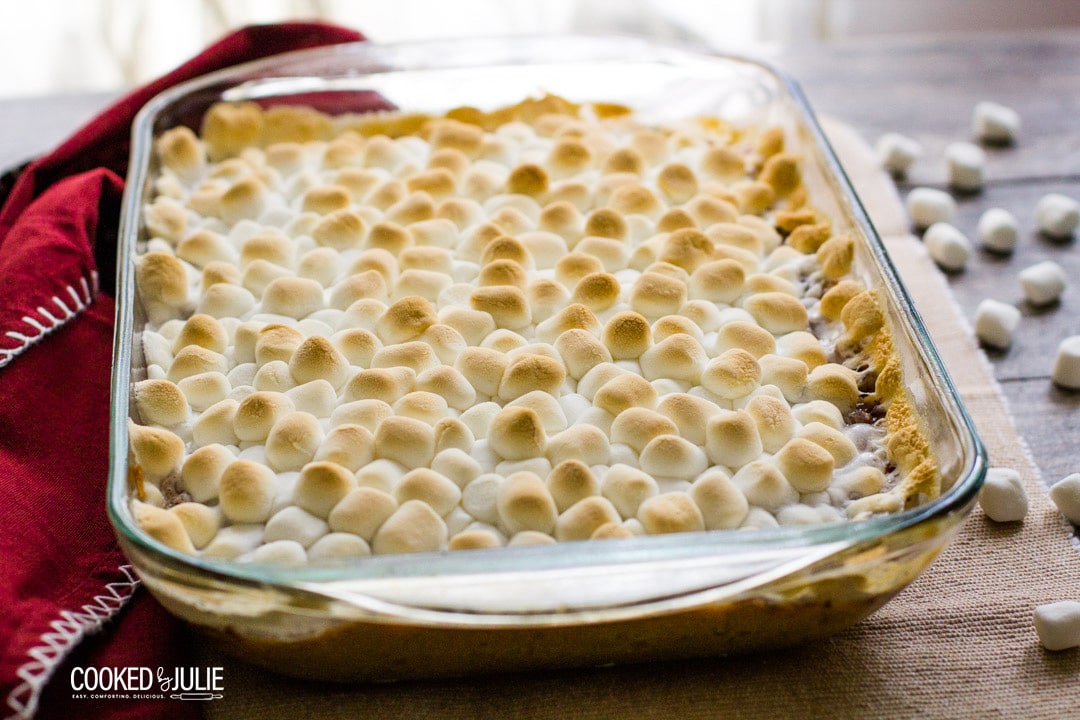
point(569, 604)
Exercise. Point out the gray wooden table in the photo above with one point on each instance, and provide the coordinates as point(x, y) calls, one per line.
point(925, 88)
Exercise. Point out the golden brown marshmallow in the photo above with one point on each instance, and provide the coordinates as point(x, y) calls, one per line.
point(625, 391)
point(581, 351)
point(574, 316)
point(597, 291)
point(163, 526)
point(582, 519)
point(385, 384)
point(689, 413)
point(570, 482)
point(732, 438)
point(348, 445)
point(158, 452)
point(517, 433)
point(406, 441)
point(748, 336)
point(362, 511)
point(293, 441)
point(430, 487)
point(193, 360)
point(722, 504)
point(257, 414)
point(678, 356)
point(806, 465)
point(321, 486)
point(506, 305)
point(670, 513)
point(276, 342)
point(317, 358)
point(160, 402)
point(627, 488)
point(584, 442)
point(775, 423)
point(627, 335)
point(414, 527)
point(246, 492)
point(733, 374)
point(673, 456)
point(655, 295)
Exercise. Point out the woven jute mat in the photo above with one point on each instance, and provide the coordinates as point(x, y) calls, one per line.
point(957, 643)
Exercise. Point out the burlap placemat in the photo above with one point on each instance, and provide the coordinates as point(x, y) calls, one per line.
point(957, 643)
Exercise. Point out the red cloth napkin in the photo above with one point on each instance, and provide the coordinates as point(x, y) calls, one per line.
point(62, 575)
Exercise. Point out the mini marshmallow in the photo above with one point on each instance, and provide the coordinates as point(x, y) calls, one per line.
point(438, 491)
point(723, 506)
point(627, 488)
point(293, 523)
point(202, 471)
point(453, 433)
point(216, 424)
point(524, 503)
point(1065, 494)
point(897, 153)
point(995, 123)
point(582, 519)
point(732, 438)
point(926, 206)
point(765, 486)
point(773, 419)
point(805, 464)
point(1057, 215)
point(414, 527)
point(1043, 283)
point(160, 402)
point(350, 446)
point(570, 482)
point(362, 511)
point(321, 486)
point(246, 492)
point(338, 546)
point(998, 230)
point(1067, 363)
point(948, 247)
point(584, 442)
point(1058, 624)
point(406, 441)
point(965, 163)
point(670, 513)
point(1003, 498)
point(293, 441)
point(673, 456)
point(995, 323)
point(201, 523)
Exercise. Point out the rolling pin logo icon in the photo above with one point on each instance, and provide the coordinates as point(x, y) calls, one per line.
point(192, 683)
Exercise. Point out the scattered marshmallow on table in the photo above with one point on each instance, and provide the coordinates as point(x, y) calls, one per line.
point(1066, 496)
point(949, 247)
point(1057, 215)
point(1058, 624)
point(966, 165)
point(994, 122)
point(926, 206)
point(1003, 498)
point(897, 152)
point(1067, 363)
point(1042, 283)
point(995, 322)
point(998, 230)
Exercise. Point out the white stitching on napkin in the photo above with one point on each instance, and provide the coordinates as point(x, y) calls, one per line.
point(80, 297)
point(68, 630)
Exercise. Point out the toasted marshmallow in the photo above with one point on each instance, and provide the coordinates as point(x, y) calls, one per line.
point(627, 488)
point(581, 351)
point(204, 331)
point(350, 446)
point(571, 317)
point(158, 452)
point(788, 374)
point(274, 376)
point(215, 425)
point(807, 466)
point(163, 285)
point(293, 441)
point(160, 402)
point(483, 368)
point(689, 413)
point(293, 297)
point(627, 335)
point(777, 312)
point(523, 503)
point(802, 346)
point(583, 518)
point(674, 457)
point(638, 426)
point(718, 281)
point(277, 342)
point(678, 356)
point(202, 471)
point(570, 482)
point(834, 383)
point(573, 267)
point(734, 374)
point(246, 492)
point(406, 441)
point(257, 413)
point(223, 300)
point(506, 305)
point(430, 487)
point(670, 513)
point(414, 527)
point(721, 503)
point(732, 438)
point(655, 295)
point(528, 372)
point(623, 392)
point(583, 442)
point(517, 433)
point(316, 358)
point(162, 525)
point(764, 486)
